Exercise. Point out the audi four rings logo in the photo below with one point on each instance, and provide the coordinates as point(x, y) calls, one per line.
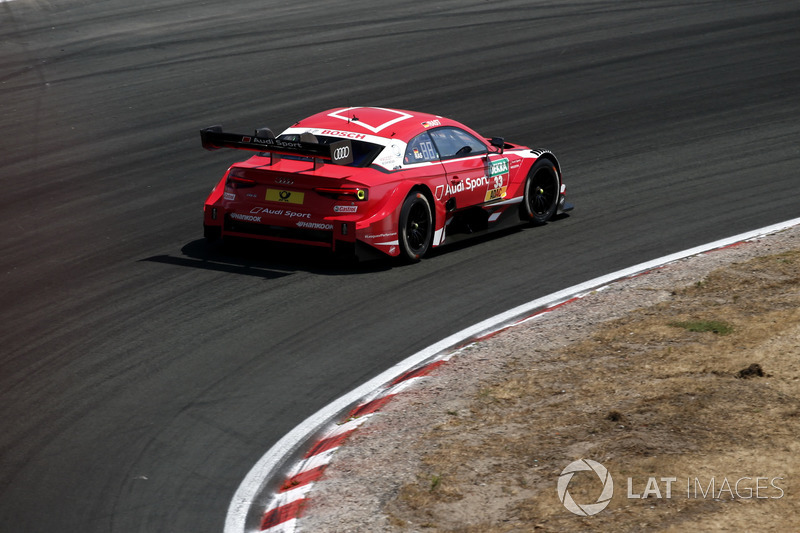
point(341, 153)
point(586, 509)
point(284, 181)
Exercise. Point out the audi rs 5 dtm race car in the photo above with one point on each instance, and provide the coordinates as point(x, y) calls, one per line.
point(370, 181)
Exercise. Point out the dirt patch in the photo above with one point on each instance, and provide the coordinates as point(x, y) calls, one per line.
point(685, 382)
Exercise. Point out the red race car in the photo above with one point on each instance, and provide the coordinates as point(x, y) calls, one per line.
point(375, 181)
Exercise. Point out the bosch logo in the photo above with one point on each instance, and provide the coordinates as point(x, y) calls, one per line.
point(342, 152)
point(284, 181)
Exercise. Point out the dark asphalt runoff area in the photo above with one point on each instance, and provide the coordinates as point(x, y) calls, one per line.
point(142, 374)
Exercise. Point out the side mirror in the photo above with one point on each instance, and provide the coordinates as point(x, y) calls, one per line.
point(498, 142)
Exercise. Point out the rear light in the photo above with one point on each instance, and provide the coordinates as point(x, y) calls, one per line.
point(236, 180)
point(344, 193)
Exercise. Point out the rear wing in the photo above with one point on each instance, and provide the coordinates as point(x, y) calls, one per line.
point(338, 152)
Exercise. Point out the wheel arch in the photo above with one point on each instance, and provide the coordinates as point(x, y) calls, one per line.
point(547, 155)
point(435, 206)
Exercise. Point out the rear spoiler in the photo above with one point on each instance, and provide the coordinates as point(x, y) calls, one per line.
point(338, 153)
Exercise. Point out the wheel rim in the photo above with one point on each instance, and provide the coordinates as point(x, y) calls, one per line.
point(542, 193)
point(417, 227)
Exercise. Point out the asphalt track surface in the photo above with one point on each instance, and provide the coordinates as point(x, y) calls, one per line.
point(143, 374)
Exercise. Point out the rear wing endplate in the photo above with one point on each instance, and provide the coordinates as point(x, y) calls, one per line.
point(338, 152)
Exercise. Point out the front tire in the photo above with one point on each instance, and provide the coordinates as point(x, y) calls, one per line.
point(415, 230)
point(542, 188)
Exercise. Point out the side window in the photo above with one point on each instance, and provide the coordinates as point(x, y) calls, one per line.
point(454, 142)
point(420, 150)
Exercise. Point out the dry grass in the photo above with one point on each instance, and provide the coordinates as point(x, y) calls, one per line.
point(705, 385)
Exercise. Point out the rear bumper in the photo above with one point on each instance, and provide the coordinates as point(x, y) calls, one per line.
point(338, 236)
point(312, 234)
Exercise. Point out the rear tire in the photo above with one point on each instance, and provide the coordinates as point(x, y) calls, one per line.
point(542, 188)
point(212, 234)
point(415, 230)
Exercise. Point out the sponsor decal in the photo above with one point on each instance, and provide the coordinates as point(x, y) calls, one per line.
point(245, 218)
point(495, 194)
point(343, 152)
point(314, 225)
point(431, 123)
point(344, 134)
point(295, 214)
point(468, 185)
point(498, 172)
point(266, 211)
point(229, 196)
point(279, 143)
point(380, 236)
point(275, 195)
point(391, 157)
point(498, 167)
point(387, 161)
point(279, 212)
point(345, 208)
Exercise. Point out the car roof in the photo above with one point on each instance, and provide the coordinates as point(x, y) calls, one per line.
point(379, 121)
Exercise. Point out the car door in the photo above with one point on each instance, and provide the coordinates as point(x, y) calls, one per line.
point(464, 159)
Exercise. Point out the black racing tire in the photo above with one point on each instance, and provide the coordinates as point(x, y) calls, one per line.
point(415, 228)
point(542, 188)
point(212, 234)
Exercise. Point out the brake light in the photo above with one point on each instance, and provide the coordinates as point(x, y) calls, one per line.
point(236, 180)
point(344, 193)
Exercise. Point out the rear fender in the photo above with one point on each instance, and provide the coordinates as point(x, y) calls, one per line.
point(380, 230)
point(214, 201)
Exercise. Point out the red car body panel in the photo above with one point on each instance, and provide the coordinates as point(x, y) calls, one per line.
point(357, 206)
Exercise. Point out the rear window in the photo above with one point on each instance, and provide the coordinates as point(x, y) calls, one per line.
point(363, 152)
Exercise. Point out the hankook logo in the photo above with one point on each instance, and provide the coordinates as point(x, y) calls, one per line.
point(246, 218)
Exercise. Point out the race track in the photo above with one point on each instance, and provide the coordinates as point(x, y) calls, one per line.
point(142, 374)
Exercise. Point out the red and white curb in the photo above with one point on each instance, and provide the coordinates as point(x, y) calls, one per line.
point(285, 507)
